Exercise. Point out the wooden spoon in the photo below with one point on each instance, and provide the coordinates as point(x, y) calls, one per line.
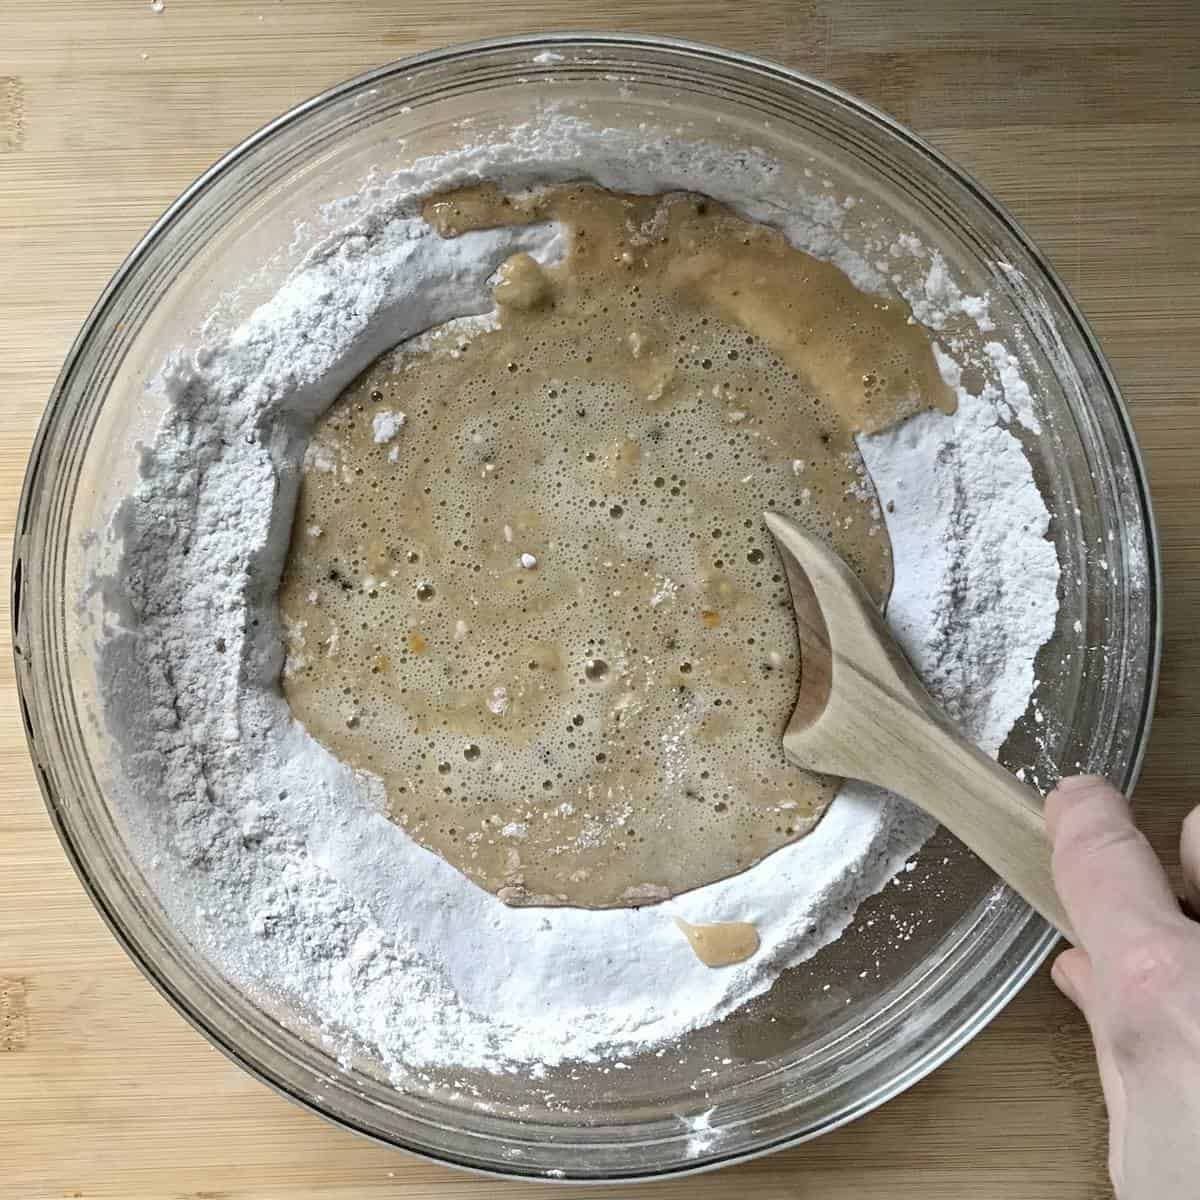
point(863, 714)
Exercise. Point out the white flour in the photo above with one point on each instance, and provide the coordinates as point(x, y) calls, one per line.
point(275, 858)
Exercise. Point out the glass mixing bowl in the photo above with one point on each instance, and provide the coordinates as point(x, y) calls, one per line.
point(825, 1044)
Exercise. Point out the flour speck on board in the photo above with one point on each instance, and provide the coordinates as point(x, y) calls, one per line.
point(277, 861)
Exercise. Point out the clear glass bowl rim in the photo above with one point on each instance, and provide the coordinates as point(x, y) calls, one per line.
point(1038, 949)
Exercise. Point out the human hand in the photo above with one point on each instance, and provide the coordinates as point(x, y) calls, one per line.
point(1136, 977)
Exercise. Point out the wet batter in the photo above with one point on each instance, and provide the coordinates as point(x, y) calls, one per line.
point(529, 585)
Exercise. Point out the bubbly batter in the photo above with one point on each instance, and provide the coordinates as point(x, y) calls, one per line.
point(529, 585)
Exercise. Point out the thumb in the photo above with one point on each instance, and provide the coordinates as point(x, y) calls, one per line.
point(1112, 885)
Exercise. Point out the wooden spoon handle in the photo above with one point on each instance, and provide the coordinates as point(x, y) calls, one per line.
point(862, 713)
point(1005, 826)
point(923, 756)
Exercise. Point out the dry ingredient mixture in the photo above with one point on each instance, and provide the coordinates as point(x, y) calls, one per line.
point(281, 862)
point(530, 586)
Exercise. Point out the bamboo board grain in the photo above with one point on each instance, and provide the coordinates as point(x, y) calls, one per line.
point(1084, 118)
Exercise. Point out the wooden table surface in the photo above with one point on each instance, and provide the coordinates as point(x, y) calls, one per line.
point(1083, 117)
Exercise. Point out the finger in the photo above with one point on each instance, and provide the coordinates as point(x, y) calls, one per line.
point(1189, 853)
point(1112, 1084)
point(1112, 885)
point(1072, 975)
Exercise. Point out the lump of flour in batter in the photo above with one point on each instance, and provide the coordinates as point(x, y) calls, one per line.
point(529, 585)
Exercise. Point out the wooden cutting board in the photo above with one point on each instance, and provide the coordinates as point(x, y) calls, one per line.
point(1083, 117)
